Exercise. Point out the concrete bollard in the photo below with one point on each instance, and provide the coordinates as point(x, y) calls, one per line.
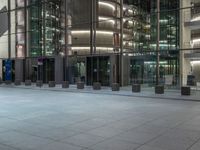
point(39, 83)
point(52, 84)
point(115, 87)
point(96, 86)
point(17, 82)
point(80, 85)
point(136, 88)
point(65, 84)
point(8, 82)
point(159, 89)
point(185, 91)
point(28, 83)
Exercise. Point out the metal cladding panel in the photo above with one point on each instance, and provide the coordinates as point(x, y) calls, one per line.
point(3, 20)
point(81, 13)
point(194, 25)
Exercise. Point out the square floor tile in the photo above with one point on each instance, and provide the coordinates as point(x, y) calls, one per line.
point(114, 144)
point(145, 147)
point(4, 147)
point(196, 146)
point(84, 140)
point(60, 146)
point(137, 137)
point(105, 132)
point(175, 140)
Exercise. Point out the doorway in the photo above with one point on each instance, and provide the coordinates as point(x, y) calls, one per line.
point(40, 69)
point(98, 70)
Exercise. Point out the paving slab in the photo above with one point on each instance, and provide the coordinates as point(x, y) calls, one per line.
point(34, 118)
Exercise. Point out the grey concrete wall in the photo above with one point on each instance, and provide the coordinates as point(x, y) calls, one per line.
point(58, 69)
point(196, 72)
point(185, 38)
point(80, 13)
point(125, 70)
point(19, 69)
point(102, 40)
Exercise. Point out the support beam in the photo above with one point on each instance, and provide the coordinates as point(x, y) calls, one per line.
point(25, 29)
point(65, 65)
point(94, 24)
point(121, 43)
point(158, 44)
point(9, 29)
point(91, 27)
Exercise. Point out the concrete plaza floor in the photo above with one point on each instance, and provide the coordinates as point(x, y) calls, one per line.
point(146, 92)
point(34, 119)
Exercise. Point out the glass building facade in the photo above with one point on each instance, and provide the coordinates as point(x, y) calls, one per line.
point(98, 41)
point(143, 65)
point(45, 27)
point(169, 38)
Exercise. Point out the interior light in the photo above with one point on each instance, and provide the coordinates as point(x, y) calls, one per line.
point(87, 31)
point(196, 40)
point(196, 19)
point(107, 19)
point(87, 48)
point(107, 4)
point(195, 62)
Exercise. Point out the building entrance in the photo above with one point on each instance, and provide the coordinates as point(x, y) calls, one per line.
point(98, 70)
point(40, 69)
point(144, 71)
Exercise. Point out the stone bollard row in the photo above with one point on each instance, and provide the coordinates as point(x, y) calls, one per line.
point(136, 88)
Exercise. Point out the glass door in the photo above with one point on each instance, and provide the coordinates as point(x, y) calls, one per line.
point(98, 70)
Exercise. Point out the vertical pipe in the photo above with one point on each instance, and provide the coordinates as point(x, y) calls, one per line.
point(94, 38)
point(16, 32)
point(25, 36)
point(25, 28)
point(91, 27)
point(65, 52)
point(121, 43)
point(44, 27)
point(183, 33)
point(42, 67)
point(95, 24)
point(9, 30)
point(158, 44)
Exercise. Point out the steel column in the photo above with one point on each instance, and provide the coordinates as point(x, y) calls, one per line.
point(158, 44)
